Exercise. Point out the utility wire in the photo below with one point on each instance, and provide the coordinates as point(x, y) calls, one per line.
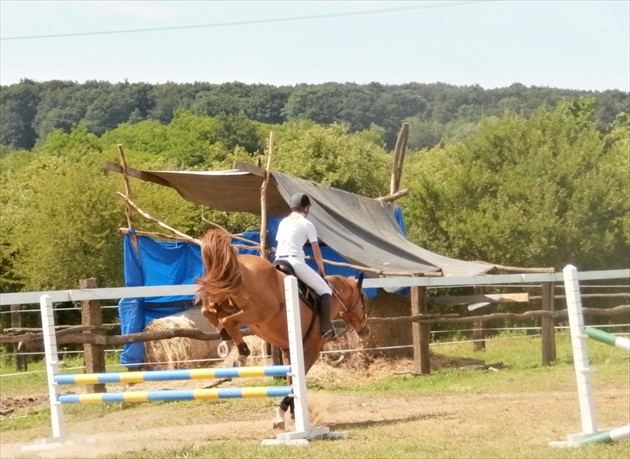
point(240, 23)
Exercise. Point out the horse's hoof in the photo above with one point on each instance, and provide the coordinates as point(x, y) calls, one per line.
point(240, 361)
point(279, 425)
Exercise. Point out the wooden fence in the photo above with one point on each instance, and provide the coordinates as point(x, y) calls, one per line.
point(91, 332)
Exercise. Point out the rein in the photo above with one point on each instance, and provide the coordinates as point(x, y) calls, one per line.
point(354, 306)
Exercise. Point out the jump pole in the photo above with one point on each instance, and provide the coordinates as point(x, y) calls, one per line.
point(590, 434)
point(302, 434)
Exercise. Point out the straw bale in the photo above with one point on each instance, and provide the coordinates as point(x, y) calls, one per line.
point(177, 353)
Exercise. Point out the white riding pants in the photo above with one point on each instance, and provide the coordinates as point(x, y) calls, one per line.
point(309, 276)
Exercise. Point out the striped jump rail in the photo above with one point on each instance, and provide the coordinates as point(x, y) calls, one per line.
point(608, 338)
point(173, 395)
point(173, 375)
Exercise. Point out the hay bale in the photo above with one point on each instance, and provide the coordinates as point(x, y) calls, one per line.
point(395, 334)
point(175, 353)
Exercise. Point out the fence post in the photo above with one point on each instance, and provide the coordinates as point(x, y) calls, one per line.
point(547, 324)
point(21, 363)
point(478, 330)
point(94, 354)
point(421, 332)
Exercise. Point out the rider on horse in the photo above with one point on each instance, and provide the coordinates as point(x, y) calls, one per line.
point(293, 232)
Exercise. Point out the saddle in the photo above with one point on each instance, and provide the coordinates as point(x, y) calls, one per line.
point(305, 293)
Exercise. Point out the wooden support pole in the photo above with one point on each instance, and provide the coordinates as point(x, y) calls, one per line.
point(547, 324)
point(421, 332)
point(21, 363)
point(263, 203)
point(399, 158)
point(128, 208)
point(478, 330)
point(94, 354)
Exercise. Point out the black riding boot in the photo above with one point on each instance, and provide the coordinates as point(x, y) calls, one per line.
point(327, 329)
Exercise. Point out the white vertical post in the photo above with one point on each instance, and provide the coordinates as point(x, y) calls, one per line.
point(52, 366)
point(580, 354)
point(303, 432)
point(296, 351)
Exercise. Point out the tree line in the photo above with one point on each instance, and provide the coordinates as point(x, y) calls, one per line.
point(533, 191)
point(436, 112)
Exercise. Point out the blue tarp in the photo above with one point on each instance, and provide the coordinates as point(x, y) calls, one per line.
point(156, 263)
point(177, 263)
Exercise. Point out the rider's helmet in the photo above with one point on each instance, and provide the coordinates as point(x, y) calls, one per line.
point(299, 201)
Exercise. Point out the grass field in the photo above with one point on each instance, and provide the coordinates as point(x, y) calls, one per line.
point(385, 412)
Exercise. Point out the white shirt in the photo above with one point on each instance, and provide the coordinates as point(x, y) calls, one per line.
point(293, 232)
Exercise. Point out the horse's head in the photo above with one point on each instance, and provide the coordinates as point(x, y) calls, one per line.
point(353, 302)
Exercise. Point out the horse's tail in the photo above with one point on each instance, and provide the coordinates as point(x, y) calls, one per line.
point(222, 277)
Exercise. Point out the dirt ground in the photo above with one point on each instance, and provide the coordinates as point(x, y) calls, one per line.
point(339, 411)
point(473, 415)
point(113, 435)
point(469, 417)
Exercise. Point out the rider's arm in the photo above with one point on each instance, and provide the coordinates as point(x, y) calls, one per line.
point(317, 254)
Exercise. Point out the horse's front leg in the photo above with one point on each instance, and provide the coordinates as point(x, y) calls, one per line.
point(281, 411)
point(211, 312)
point(232, 325)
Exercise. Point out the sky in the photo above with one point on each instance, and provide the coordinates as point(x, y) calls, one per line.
point(583, 45)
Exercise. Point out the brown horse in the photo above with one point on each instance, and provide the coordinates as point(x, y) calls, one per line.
point(246, 290)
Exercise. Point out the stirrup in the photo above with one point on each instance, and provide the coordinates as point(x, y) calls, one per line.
point(330, 333)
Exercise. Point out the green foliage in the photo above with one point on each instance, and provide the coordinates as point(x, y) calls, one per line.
point(57, 227)
point(333, 157)
point(544, 191)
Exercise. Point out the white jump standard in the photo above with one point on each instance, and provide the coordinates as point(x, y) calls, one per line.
point(579, 334)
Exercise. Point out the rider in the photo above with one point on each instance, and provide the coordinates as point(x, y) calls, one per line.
point(293, 232)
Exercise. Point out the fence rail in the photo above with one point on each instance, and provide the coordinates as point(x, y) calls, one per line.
point(420, 320)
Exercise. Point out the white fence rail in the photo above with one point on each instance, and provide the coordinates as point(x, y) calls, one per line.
point(430, 282)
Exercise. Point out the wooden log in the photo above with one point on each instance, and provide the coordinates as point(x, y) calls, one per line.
point(94, 354)
point(155, 220)
point(399, 157)
point(70, 335)
point(392, 197)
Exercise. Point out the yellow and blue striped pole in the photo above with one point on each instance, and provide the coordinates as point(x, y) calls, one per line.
point(172, 395)
point(173, 375)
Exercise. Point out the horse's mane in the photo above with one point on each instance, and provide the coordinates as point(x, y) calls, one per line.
point(345, 287)
point(222, 276)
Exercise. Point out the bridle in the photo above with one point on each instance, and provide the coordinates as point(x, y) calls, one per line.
point(361, 300)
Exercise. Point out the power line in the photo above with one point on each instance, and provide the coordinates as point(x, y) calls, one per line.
point(240, 23)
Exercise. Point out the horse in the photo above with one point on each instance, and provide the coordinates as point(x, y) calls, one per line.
point(238, 290)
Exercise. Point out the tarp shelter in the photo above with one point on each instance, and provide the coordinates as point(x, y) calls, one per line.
point(178, 263)
point(362, 230)
point(352, 228)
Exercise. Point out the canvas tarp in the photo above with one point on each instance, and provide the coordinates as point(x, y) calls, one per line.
point(362, 230)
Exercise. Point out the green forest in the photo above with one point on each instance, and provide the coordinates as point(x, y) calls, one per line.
point(530, 177)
